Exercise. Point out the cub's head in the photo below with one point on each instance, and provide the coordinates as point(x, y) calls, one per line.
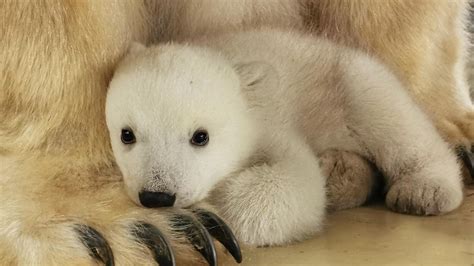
point(178, 123)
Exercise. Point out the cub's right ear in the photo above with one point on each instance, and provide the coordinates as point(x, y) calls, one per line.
point(256, 73)
point(136, 47)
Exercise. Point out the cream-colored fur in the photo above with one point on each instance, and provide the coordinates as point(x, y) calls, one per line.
point(56, 166)
point(424, 42)
point(297, 96)
point(470, 68)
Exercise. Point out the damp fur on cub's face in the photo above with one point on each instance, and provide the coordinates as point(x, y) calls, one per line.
point(178, 122)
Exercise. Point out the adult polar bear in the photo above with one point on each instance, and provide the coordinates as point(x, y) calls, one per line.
point(56, 167)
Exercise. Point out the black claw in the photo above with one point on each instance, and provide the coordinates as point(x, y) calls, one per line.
point(98, 247)
point(467, 158)
point(152, 237)
point(197, 234)
point(220, 231)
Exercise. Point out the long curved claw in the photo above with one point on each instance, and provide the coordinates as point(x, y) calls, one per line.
point(98, 247)
point(220, 231)
point(197, 234)
point(467, 158)
point(156, 242)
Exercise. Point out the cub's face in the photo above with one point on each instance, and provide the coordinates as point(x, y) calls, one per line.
point(178, 124)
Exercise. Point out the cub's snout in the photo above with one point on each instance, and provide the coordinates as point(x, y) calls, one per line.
point(152, 199)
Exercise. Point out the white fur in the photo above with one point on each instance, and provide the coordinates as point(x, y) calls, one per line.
point(271, 102)
point(163, 158)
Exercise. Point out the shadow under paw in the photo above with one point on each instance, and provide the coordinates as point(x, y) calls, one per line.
point(467, 158)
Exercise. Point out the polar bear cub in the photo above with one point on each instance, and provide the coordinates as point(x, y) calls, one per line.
point(243, 117)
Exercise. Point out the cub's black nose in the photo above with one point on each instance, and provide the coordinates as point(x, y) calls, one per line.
point(156, 199)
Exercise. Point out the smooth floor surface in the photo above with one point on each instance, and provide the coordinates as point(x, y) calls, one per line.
point(373, 235)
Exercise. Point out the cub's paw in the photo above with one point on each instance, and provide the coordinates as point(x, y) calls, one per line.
point(351, 179)
point(424, 196)
point(198, 227)
point(268, 207)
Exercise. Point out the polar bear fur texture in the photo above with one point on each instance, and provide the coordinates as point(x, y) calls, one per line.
point(56, 165)
point(271, 101)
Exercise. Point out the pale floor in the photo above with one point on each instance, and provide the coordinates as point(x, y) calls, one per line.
point(373, 235)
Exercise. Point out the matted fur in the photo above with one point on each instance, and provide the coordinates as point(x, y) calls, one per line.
point(57, 57)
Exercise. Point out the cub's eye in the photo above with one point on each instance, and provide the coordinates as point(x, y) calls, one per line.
point(200, 137)
point(127, 136)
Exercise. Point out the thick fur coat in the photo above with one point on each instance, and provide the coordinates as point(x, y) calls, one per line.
point(270, 103)
point(56, 166)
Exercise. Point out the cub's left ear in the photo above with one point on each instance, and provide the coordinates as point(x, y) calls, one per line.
point(136, 47)
point(257, 73)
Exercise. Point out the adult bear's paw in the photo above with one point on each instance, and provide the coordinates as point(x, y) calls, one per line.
point(196, 227)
